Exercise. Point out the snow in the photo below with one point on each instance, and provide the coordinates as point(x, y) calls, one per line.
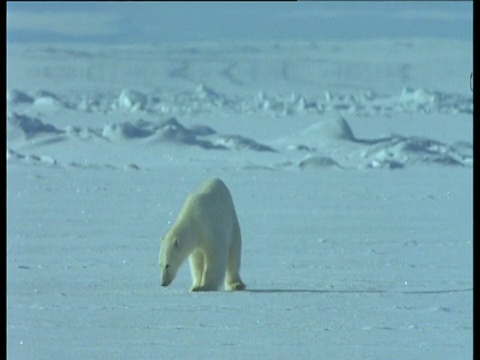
point(350, 166)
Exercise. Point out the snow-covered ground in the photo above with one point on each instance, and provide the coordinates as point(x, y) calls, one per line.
point(350, 165)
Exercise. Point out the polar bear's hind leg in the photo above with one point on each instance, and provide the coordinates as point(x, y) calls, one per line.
point(232, 280)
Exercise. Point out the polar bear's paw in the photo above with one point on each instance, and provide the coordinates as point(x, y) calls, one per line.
point(197, 288)
point(236, 286)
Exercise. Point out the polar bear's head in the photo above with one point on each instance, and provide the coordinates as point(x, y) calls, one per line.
point(170, 259)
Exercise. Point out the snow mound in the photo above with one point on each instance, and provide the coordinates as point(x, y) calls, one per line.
point(44, 98)
point(18, 97)
point(280, 105)
point(318, 162)
point(203, 136)
point(127, 130)
point(238, 142)
point(132, 100)
point(331, 142)
point(13, 156)
point(204, 92)
point(169, 131)
point(333, 127)
point(399, 151)
point(172, 131)
point(330, 129)
point(418, 100)
point(25, 127)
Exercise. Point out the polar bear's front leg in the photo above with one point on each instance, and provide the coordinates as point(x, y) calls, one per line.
point(197, 268)
point(214, 274)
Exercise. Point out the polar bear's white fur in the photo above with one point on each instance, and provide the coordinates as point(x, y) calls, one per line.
point(208, 233)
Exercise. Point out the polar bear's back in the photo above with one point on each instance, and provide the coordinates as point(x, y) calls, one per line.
point(213, 187)
point(213, 194)
point(212, 204)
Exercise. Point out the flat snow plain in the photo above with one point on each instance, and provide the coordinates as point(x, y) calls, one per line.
point(350, 165)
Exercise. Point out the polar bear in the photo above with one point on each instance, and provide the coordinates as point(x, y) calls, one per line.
point(208, 233)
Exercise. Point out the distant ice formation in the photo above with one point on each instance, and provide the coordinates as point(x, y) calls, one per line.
point(164, 131)
point(203, 99)
point(328, 143)
point(331, 139)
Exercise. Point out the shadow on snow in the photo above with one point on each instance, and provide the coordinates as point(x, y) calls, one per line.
point(372, 291)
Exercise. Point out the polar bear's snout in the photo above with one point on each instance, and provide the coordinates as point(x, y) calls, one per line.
point(167, 275)
point(166, 279)
point(166, 282)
